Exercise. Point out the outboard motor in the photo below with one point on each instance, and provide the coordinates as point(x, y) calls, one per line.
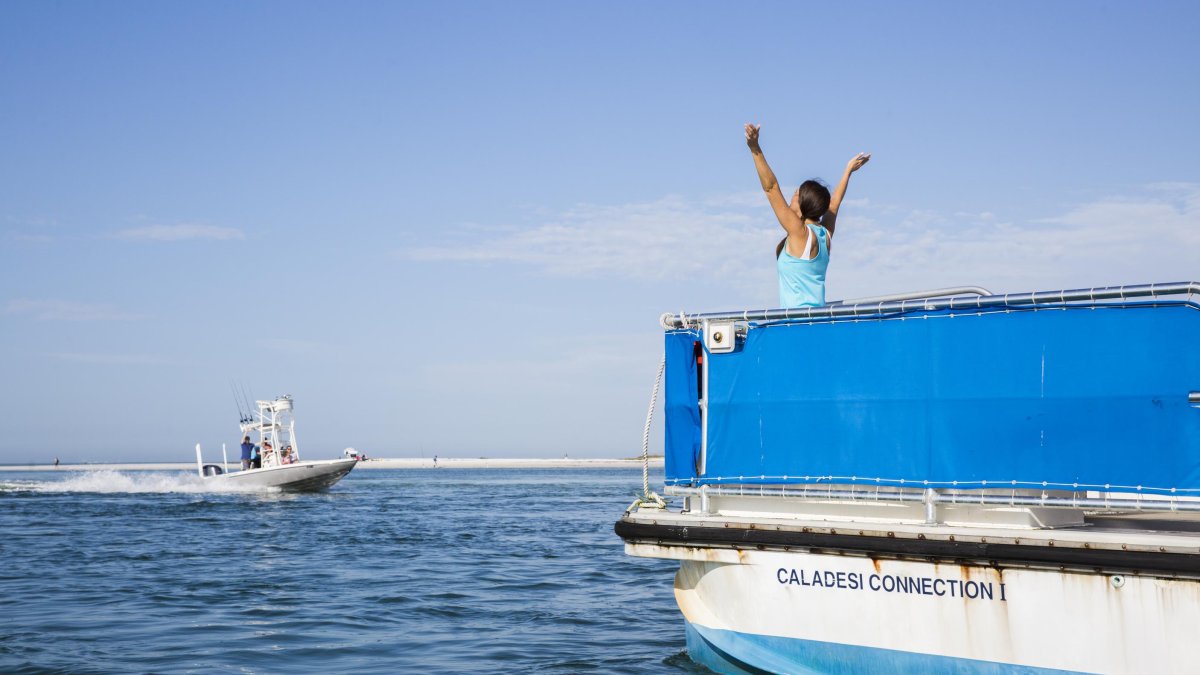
point(213, 470)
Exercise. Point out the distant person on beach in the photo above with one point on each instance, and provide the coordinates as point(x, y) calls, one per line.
point(247, 451)
point(435, 461)
point(802, 257)
point(56, 462)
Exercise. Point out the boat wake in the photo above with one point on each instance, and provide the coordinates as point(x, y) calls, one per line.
point(121, 482)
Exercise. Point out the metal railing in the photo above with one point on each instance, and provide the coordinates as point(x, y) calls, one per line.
point(939, 497)
point(918, 295)
point(925, 301)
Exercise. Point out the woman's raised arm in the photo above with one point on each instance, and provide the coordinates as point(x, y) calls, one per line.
point(786, 216)
point(835, 201)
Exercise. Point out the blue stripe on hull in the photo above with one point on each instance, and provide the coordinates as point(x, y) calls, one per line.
point(727, 651)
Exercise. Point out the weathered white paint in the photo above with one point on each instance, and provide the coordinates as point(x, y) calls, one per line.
point(1048, 619)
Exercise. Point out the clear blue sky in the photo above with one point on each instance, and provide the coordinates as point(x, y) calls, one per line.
point(450, 227)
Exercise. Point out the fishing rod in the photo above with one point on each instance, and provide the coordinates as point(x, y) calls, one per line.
point(249, 408)
point(238, 403)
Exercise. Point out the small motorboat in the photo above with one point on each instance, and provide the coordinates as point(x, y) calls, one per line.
point(281, 467)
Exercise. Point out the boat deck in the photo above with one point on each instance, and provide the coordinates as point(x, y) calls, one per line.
point(1149, 543)
point(1174, 524)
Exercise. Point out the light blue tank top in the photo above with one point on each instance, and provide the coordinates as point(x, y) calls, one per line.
point(802, 282)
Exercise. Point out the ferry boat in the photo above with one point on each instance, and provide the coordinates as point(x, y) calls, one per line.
point(282, 469)
point(949, 481)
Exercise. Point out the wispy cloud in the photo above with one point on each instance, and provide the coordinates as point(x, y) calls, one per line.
point(558, 362)
point(28, 221)
point(66, 310)
point(33, 238)
point(1153, 235)
point(179, 232)
point(1149, 237)
point(31, 229)
point(647, 240)
point(111, 359)
point(290, 346)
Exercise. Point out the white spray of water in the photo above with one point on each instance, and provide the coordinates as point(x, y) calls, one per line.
point(147, 482)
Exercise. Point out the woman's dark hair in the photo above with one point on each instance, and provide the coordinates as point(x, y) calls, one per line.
point(814, 199)
point(814, 202)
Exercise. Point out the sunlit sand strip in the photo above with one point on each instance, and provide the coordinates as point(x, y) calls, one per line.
point(399, 463)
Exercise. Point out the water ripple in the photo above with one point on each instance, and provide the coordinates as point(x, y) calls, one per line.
point(406, 570)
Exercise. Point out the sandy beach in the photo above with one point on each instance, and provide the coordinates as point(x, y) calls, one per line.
point(385, 463)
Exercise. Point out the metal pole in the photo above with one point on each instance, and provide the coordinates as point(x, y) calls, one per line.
point(799, 493)
point(1085, 295)
point(292, 438)
point(918, 295)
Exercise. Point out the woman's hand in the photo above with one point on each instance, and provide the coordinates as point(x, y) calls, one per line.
point(835, 200)
point(857, 163)
point(752, 135)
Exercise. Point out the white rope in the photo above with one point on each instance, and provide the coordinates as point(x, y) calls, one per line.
point(648, 498)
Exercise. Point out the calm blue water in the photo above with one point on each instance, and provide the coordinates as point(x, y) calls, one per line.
point(392, 570)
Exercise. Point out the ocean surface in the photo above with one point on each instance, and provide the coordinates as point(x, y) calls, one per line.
point(449, 570)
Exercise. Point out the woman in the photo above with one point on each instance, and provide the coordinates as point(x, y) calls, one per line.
point(803, 255)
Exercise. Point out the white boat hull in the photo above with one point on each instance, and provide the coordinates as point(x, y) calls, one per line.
point(298, 477)
point(802, 612)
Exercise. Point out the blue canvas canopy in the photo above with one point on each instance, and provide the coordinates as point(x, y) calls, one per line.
point(1076, 396)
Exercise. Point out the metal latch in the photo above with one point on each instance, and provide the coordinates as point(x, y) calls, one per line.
point(720, 337)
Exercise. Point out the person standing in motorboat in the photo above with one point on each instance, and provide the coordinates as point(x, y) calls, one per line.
point(247, 451)
point(256, 458)
point(266, 456)
point(802, 257)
